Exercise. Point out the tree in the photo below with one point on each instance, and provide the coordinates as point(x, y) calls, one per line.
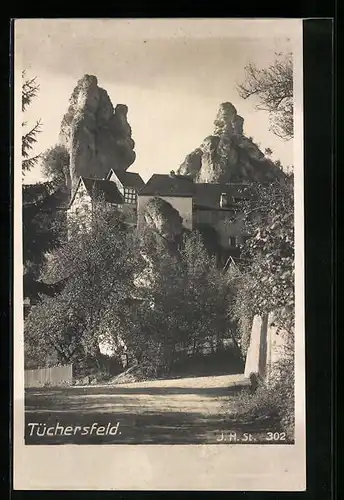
point(97, 267)
point(273, 89)
point(55, 165)
point(43, 228)
point(30, 89)
point(207, 292)
point(262, 284)
point(42, 224)
point(266, 281)
point(188, 296)
point(182, 281)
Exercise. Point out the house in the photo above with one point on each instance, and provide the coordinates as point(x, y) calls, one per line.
point(203, 206)
point(176, 190)
point(128, 184)
point(118, 189)
point(215, 206)
point(88, 192)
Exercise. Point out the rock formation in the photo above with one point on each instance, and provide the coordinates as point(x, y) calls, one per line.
point(228, 155)
point(97, 136)
point(164, 219)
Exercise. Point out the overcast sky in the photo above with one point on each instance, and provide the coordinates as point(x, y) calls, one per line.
point(172, 75)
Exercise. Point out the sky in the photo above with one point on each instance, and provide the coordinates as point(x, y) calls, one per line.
point(172, 75)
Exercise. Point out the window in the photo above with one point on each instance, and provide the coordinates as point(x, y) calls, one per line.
point(233, 241)
point(129, 195)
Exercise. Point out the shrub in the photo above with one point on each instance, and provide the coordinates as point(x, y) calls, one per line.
point(272, 401)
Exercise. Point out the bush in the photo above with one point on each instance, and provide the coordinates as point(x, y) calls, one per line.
point(282, 388)
point(273, 402)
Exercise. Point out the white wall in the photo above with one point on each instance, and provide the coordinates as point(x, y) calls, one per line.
point(182, 204)
point(256, 353)
point(81, 198)
point(81, 207)
point(267, 347)
point(113, 178)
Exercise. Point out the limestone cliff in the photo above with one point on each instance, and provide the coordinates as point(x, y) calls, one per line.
point(164, 219)
point(228, 155)
point(96, 135)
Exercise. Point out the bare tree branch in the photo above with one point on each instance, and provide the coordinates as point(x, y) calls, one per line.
point(273, 88)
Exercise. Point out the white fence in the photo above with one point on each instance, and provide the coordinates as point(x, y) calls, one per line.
point(54, 376)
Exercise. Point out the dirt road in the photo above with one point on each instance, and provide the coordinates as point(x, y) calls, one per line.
point(178, 411)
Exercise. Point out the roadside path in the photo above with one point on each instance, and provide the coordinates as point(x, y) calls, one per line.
point(174, 411)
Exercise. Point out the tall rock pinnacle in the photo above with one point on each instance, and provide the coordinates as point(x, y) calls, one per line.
point(97, 136)
point(228, 155)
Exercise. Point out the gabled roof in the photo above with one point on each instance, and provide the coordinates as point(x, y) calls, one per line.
point(168, 185)
point(230, 262)
point(128, 179)
point(207, 196)
point(100, 188)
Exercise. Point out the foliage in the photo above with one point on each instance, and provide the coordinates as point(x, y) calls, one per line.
point(273, 88)
point(266, 279)
point(55, 164)
point(189, 297)
point(210, 239)
point(273, 402)
point(41, 224)
point(30, 89)
point(148, 298)
point(208, 291)
point(43, 227)
point(50, 329)
point(155, 295)
point(97, 266)
point(263, 283)
point(39, 232)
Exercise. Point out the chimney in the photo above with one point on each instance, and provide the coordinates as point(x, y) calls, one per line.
point(223, 200)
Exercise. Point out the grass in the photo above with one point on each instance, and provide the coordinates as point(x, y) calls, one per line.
point(271, 404)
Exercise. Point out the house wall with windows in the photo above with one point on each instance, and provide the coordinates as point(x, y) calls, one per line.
point(129, 193)
point(230, 233)
point(130, 196)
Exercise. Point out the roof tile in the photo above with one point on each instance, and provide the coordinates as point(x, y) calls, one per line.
point(168, 185)
point(129, 179)
point(97, 188)
point(205, 195)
